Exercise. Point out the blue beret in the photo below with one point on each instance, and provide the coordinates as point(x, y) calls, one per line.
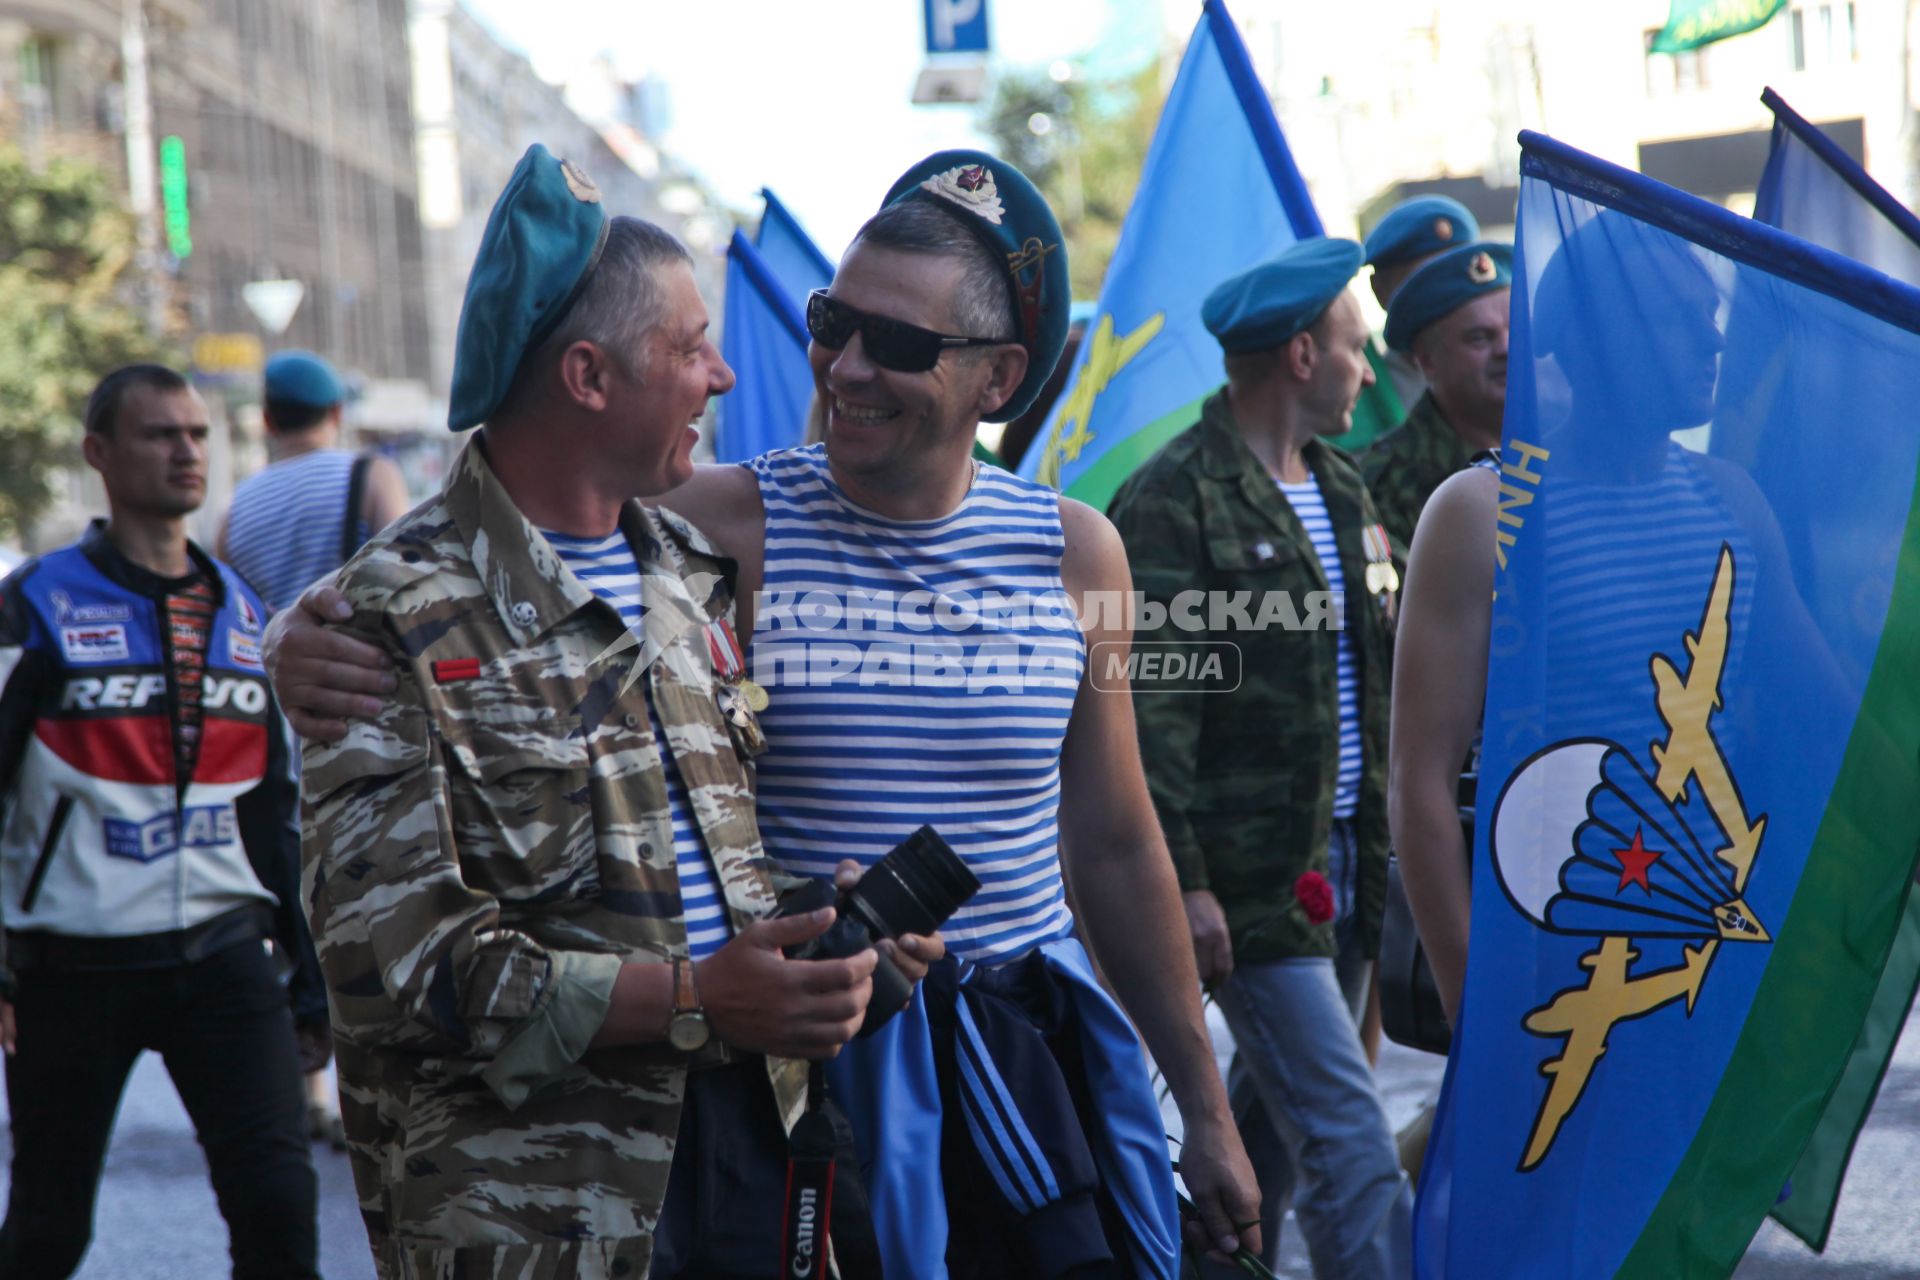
point(542, 240)
point(1265, 305)
point(1418, 227)
point(303, 378)
point(1444, 285)
point(998, 204)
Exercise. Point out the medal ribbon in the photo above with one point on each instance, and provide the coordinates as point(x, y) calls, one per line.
point(725, 650)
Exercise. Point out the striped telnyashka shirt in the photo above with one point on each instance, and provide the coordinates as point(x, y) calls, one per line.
point(608, 568)
point(283, 531)
point(1630, 569)
point(1311, 509)
point(920, 671)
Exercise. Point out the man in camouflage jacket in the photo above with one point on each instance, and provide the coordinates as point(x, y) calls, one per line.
point(1451, 318)
point(1243, 780)
point(1252, 539)
point(490, 861)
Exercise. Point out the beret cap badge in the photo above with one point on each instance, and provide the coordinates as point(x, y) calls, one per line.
point(579, 183)
point(1002, 210)
point(972, 188)
point(1451, 280)
point(1443, 228)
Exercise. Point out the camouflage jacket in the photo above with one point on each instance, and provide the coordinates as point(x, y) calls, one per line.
point(1243, 779)
point(482, 857)
point(1406, 465)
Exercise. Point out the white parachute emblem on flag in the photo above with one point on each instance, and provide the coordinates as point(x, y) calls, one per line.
point(1584, 843)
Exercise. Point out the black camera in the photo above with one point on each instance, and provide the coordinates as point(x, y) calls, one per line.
point(913, 889)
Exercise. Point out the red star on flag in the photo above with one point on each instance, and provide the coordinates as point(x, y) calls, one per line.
point(1634, 862)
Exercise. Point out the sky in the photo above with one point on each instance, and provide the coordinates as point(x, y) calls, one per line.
point(812, 100)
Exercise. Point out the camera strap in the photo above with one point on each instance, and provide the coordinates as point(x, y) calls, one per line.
point(803, 1234)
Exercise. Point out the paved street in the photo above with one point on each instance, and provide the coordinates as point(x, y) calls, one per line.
point(1876, 1234)
point(156, 1218)
point(157, 1221)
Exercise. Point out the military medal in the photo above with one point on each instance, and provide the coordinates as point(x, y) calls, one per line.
point(1382, 577)
point(724, 648)
point(755, 696)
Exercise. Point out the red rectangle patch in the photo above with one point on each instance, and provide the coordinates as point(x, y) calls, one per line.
point(448, 670)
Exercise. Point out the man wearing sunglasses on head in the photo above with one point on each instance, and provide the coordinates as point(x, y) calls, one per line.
point(913, 618)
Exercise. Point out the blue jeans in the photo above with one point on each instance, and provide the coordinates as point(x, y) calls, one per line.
point(1303, 1095)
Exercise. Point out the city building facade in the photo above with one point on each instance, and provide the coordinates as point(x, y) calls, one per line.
point(1381, 99)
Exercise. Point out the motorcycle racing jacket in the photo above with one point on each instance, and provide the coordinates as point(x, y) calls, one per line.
point(109, 857)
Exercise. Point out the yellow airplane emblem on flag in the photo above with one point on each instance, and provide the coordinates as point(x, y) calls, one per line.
point(1107, 356)
point(1585, 1016)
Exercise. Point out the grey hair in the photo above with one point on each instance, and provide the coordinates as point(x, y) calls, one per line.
point(620, 303)
point(983, 305)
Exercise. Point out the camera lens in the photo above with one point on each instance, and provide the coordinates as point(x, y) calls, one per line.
point(914, 888)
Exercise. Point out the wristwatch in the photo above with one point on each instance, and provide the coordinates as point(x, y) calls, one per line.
point(687, 1028)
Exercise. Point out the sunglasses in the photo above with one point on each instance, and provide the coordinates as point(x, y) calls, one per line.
point(891, 344)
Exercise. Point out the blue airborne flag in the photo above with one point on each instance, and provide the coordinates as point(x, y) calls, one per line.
point(765, 341)
point(789, 252)
point(765, 336)
point(1814, 190)
point(1218, 193)
point(1699, 804)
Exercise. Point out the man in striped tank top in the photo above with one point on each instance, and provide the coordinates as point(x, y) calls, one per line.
point(913, 623)
point(294, 523)
point(1271, 784)
point(901, 694)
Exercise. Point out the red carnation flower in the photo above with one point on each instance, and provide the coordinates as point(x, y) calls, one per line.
point(1315, 896)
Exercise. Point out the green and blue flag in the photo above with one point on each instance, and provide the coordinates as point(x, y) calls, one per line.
point(1813, 189)
point(1699, 805)
point(1218, 193)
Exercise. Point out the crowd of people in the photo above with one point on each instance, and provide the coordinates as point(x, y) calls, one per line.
point(602, 886)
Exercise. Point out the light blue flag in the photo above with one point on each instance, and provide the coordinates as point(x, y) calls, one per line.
point(765, 341)
point(1699, 799)
point(1218, 193)
point(1818, 192)
point(789, 252)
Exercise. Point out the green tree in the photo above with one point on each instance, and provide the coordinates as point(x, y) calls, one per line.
point(1083, 144)
point(67, 281)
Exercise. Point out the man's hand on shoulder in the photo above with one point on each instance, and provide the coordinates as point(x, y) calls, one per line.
point(322, 676)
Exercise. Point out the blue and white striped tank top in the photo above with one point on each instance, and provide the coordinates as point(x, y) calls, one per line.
point(1310, 506)
point(608, 567)
point(921, 671)
point(1632, 565)
point(283, 531)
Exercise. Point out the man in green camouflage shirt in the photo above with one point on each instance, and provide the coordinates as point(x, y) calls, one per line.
point(490, 861)
point(1451, 318)
point(1251, 538)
